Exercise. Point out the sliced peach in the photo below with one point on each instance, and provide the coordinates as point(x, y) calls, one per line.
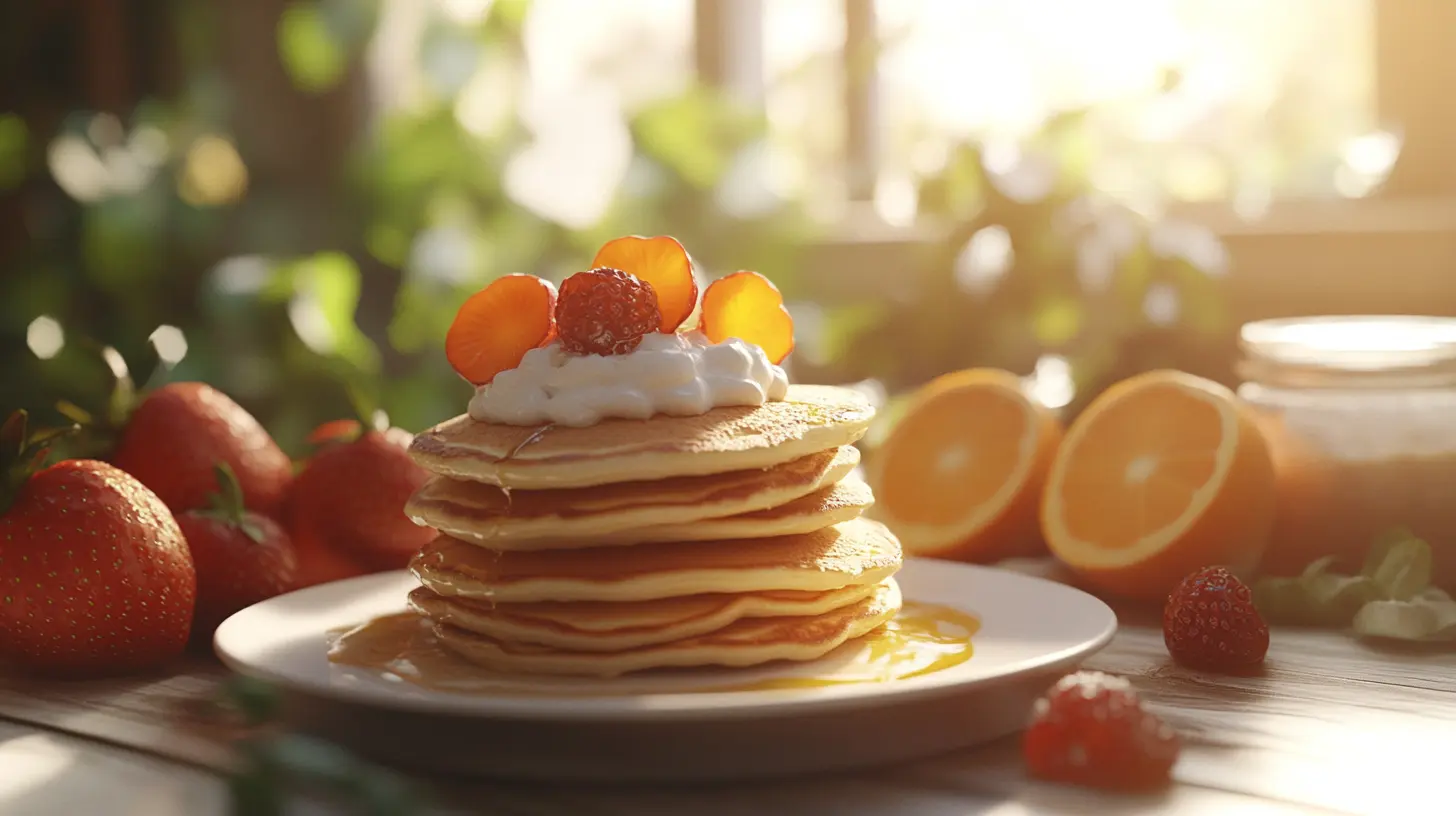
point(748, 306)
point(661, 262)
point(496, 326)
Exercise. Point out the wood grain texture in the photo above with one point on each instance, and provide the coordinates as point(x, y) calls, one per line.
point(1331, 726)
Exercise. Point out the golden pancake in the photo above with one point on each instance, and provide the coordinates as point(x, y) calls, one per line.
point(828, 506)
point(597, 626)
point(573, 517)
point(747, 642)
point(811, 419)
point(854, 552)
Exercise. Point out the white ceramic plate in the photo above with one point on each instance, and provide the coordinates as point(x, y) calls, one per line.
point(1031, 631)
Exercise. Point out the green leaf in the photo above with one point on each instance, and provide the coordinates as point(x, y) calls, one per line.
point(13, 435)
point(256, 700)
point(74, 412)
point(1380, 548)
point(326, 293)
point(316, 761)
point(1319, 566)
point(1316, 598)
point(1057, 321)
point(312, 55)
point(13, 150)
point(1429, 617)
point(1405, 569)
point(123, 389)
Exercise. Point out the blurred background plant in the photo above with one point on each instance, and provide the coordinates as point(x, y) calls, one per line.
point(280, 196)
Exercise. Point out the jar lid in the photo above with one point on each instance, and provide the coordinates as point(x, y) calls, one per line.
point(1363, 350)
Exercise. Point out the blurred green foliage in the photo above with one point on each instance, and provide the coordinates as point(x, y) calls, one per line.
point(1033, 262)
point(307, 241)
point(290, 255)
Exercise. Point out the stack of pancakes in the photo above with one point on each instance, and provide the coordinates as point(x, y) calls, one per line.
point(733, 538)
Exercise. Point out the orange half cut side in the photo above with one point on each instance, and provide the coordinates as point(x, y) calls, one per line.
point(1163, 474)
point(961, 473)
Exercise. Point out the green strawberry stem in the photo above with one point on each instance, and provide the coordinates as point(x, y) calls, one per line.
point(102, 419)
point(22, 453)
point(226, 504)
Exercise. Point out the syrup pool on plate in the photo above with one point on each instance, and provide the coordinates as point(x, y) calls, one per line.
point(921, 640)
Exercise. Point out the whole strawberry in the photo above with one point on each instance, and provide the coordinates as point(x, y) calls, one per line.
point(1091, 729)
point(346, 505)
point(241, 557)
point(179, 431)
point(95, 577)
point(1210, 622)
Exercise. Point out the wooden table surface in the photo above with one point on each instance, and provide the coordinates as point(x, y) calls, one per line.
point(1331, 726)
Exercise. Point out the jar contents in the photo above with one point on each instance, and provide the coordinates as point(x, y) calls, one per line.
point(1360, 416)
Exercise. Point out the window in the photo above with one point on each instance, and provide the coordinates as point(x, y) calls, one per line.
point(1311, 134)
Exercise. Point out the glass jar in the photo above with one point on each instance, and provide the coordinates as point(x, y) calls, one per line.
point(1360, 415)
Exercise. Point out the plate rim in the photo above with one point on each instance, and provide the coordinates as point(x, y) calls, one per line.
point(704, 706)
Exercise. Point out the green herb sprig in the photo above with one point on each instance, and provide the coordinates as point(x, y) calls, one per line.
point(1391, 598)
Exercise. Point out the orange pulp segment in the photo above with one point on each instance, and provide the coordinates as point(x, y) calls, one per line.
point(662, 263)
point(960, 474)
point(746, 305)
point(1163, 474)
point(496, 326)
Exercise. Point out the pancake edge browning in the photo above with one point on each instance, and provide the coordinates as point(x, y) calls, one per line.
point(501, 623)
point(866, 551)
point(752, 437)
point(800, 639)
point(574, 529)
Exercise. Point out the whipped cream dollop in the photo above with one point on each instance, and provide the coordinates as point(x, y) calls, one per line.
point(676, 374)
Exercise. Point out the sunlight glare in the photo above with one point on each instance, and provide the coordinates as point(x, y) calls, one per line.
point(170, 343)
point(896, 199)
point(212, 173)
point(1161, 305)
point(581, 155)
point(985, 259)
point(76, 168)
point(1051, 382)
point(465, 12)
point(44, 337)
point(30, 762)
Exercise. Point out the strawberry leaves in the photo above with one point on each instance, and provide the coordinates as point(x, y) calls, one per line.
point(226, 505)
point(23, 452)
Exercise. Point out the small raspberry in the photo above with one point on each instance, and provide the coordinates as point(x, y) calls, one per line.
point(605, 311)
point(1210, 623)
point(1091, 729)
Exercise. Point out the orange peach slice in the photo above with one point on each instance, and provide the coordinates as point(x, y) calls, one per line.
point(496, 326)
point(746, 305)
point(661, 262)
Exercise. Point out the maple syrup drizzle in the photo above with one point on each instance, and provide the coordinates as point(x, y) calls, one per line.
point(922, 639)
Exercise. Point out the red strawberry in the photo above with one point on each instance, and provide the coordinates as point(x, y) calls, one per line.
point(242, 557)
point(179, 431)
point(1210, 622)
point(95, 577)
point(346, 507)
point(1091, 729)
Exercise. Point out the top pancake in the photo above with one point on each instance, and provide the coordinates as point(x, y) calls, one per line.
point(810, 419)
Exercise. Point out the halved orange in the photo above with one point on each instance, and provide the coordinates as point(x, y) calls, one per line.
point(960, 475)
point(1163, 474)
